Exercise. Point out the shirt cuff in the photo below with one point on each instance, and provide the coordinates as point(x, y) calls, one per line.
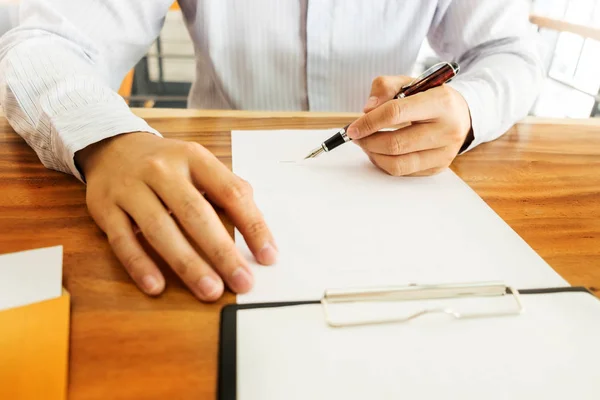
point(468, 90)
point(74, 130)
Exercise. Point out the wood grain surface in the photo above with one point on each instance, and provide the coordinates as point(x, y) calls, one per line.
point(542, 177)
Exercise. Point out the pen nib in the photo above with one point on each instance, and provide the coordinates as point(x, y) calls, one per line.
point(314, 153)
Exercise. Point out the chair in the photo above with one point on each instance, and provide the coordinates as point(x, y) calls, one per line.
point(127, 84)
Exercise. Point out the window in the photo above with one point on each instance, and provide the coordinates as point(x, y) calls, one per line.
point(572, 62)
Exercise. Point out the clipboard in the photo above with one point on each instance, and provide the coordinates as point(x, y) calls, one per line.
point(228, 344)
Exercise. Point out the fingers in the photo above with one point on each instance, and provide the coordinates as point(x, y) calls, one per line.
point(412, 163)
point(234, 195)
point(416, 137)
point(164, 236)
point(202, 223)
point(419, 107)
point(141, 177)
point(384, 88)
point(130, 253)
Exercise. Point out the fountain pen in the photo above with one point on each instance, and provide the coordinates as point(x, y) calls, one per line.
point(435, 76)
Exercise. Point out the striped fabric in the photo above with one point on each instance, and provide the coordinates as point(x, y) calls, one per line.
point(60, 68)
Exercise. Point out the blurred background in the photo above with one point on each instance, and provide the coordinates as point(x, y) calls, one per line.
point(569, 29)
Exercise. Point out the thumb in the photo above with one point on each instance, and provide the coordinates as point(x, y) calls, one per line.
point(384, 88)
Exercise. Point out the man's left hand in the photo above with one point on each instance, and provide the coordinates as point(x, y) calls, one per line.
point(438, 123)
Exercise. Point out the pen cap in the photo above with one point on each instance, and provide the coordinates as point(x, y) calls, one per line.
point(437, 77)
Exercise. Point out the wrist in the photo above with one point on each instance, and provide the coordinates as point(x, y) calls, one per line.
point(87, 158)
point(465, 120)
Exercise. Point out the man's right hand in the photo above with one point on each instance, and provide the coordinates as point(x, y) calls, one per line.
point(142, 179)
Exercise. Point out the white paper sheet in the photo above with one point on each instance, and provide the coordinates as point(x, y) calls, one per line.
point(341, 222)
point(549, 352)
point(30, 276)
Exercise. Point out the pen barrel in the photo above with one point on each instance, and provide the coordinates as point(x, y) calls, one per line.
point(437, 78)
point(336, 140)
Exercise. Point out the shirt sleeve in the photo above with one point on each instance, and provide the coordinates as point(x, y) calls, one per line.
point(500, 56)
point(61, 67)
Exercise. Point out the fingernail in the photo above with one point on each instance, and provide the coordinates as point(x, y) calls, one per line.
point(268, 254)
point(209, 287)
point(150, 284)
point(352, 132)
point(241, 280)
point(372, 102)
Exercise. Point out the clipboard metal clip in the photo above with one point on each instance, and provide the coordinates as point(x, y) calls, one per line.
point(414, 292)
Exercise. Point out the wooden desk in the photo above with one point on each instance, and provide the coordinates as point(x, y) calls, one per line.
point(542, 177)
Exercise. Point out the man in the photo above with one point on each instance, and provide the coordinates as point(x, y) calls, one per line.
point(60, 68)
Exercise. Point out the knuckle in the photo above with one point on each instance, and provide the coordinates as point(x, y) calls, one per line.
point(153, 225)
point(446, 97)
point(379, 82)
point(237, 192)
point(413, 164)
point(394, 168)
point(456, 135)
point(256, 228)
point(398, 169)
point(117, 241)
point(194, 149)
point(191, 210)
point(155, 166)
point(395, 144)
point(132, 261)
point(223, 254)
point(368, 125)
point(396, 111)
point(185, 264)
point(128, 181)
point(405, 166)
